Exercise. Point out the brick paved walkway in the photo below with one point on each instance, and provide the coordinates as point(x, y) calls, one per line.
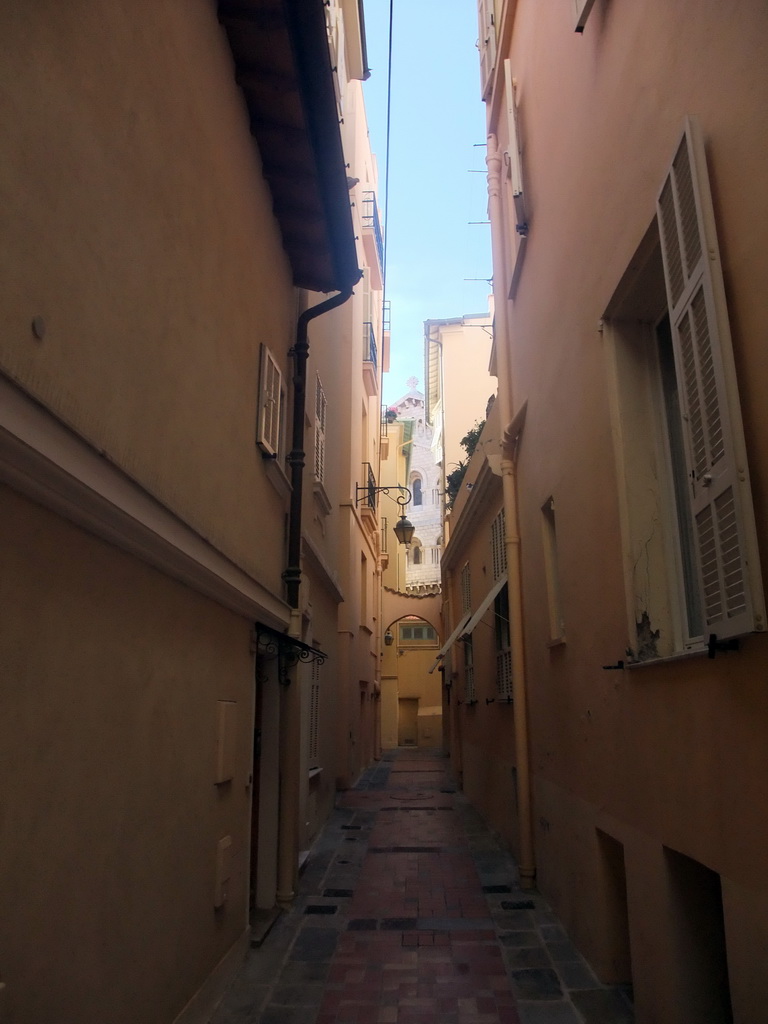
point(409, 913)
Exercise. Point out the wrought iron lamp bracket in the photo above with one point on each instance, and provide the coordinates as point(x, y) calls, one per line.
point(287, 650)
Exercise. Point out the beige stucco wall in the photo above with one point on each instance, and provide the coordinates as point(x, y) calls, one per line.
point(141, 230)
point(673, 753)
point(467, 385)
point(111, 816)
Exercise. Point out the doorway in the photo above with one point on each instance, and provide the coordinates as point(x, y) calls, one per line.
point(408, 722)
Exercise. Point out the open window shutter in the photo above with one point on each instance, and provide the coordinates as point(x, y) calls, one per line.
point(486, 44)
point(314, 717)
point(512, 157)
point(716, 458)
point(498, 549)
point(270, 380)
point(321, 410)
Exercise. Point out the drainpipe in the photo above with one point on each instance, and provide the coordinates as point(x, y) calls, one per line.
point(527, 864)
point(290, 696)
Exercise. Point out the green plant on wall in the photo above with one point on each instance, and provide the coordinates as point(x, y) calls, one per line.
point(454, 479)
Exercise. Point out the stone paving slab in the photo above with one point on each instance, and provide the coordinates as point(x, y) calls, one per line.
point(410, 912)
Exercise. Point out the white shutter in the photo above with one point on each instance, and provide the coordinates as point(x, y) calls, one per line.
point(498, 548)
point(270, 382)
point(321, 411)
point(718, 480)
point(486, 44)
point(512, 156)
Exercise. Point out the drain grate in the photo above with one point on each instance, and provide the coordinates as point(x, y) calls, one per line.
point(362, 924)
point(496, 888)
point(407, 849)
point(351, 828)
point(317, 909)
point(518, 905)
point(433, 808)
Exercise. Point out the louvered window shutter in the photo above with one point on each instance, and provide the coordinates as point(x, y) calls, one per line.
point(314, 717)
point(513, 158)
point(718, 481)
point(486, 44)
point(268, 429)
point(321, 412)
point(498, 549)
point(466, 592)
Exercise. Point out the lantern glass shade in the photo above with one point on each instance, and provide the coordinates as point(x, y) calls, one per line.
point(404, 530)
point(388, 638)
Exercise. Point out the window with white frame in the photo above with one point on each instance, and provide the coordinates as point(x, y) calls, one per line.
point(321, 412)
point(416, 633)
point(690, 549)
point(270, 415)
point(486, 18)
point(498, 547)
point(435, 556)
point(513, 161)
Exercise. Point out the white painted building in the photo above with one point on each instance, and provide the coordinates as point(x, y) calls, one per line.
point(424, 481)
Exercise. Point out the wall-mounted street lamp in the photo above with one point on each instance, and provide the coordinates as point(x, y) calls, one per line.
point(404, 529)
point(389, 638)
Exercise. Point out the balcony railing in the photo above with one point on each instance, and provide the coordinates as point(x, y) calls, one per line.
point(370, 354)
point(384, 535)
point(369, 483)
point(386, 317)
point(371, 220)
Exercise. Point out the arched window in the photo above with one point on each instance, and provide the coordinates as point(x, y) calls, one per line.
point(417, 556)
point(416, 487)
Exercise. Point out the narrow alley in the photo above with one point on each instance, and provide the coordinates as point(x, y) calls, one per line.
point(409, 912)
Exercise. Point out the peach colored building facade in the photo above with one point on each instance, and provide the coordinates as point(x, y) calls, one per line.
point(627, 198)
point(169, 552)
point(411, 700)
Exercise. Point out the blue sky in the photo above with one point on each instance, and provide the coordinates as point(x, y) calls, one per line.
point(437, 120)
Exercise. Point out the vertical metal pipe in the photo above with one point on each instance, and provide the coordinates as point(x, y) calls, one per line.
point(290, 697)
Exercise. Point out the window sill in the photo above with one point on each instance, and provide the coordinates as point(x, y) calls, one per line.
point(694, 652)
point(557, 641)
point(278, 478)
point(314, 773)
point(321, 498)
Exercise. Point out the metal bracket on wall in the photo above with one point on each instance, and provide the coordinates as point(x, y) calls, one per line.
point(714, 645)
point(288, 651)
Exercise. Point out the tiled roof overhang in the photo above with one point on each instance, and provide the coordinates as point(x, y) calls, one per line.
point(283, 66)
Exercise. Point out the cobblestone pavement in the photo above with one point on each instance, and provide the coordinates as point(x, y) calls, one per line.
point(409, 912)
